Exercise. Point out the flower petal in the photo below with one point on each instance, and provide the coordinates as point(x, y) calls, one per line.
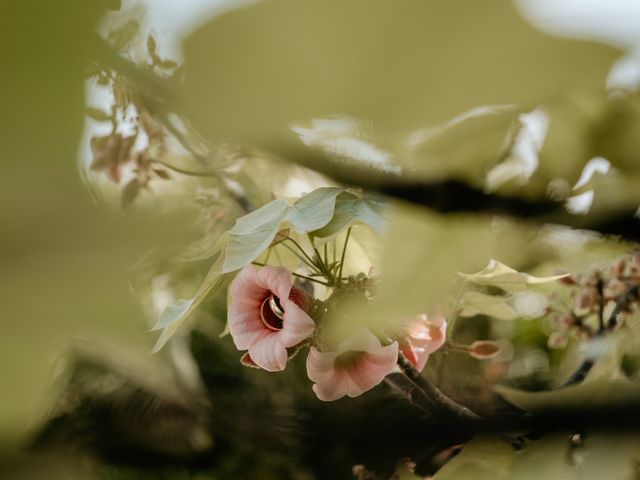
point(245, 287)
point(269, 353)
point(371, 369)
point(320, 365)
point(276, 279)
point(296, 325)
point(245, 325)
point(360, 340)
point(333, 389)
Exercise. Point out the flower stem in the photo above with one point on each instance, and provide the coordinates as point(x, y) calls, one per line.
point(183, 171)
point(313, 265)
point(344, 251)
point(297, 254)
point(437, 397)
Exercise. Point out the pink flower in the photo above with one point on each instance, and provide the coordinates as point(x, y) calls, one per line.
point(267, 315)
point(359, 364)
point(424, 336)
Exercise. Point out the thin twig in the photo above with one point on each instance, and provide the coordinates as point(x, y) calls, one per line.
point(185, 172)
point(442, 401)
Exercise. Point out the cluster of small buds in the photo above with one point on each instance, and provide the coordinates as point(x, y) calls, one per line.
point(601, 301)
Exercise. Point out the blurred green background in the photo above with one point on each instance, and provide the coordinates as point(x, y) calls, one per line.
point(401, 70)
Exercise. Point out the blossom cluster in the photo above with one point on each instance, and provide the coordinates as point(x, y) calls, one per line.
point(601, 301)
point(270, 319)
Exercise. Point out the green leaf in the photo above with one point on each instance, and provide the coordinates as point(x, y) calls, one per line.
point(605, 385)
point(252, 234)
point(492, 458)
point(402, 66)
point(482, 458)
point(610, 456)
point(129, 193)
point(423, 250)
point(350, 209)
point(497, 274)
point(172, 313)
point(496, 306)
point(174, 316)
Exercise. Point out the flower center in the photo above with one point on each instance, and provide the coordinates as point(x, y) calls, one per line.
point(272, 313)
point(348, 358)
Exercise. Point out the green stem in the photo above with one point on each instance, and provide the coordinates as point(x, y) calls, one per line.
point(344, 251)
point(302, 259)
point(183, 171)
point(302, 251)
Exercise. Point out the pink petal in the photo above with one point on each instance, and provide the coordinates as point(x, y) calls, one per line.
point(320, 367)
point(333, 389)
point(296, 325)
point(421, 356)
point(360, 340)
point(276, 279)
point(372, 369)
point(245, 325)
point(245, 287)
point(269, 353)
point(247, 361)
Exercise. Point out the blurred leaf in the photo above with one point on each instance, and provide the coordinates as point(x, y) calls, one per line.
point(151, 45)
point(493, 458)
point(129, 192)
point(253, 233)
point(497, 274)
point(400, 65)
point(174, 316)
point(495, 306)
point(350, 209)
point(610, 456)
point(547, 457)
point(464, 147)
point(423, 250)
point(168, 64)
point(605, 385)
point(122, 35)
point(97, 114)
point(483, 458)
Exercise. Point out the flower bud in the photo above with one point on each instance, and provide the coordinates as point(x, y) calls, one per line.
point(484, 349)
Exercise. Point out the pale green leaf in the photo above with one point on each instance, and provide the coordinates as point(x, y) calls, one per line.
point(401, 66)
point(497, 274)
point(174, 316)
point(172, 313)
point(547, 457)
point(610, 456)
point(495, 306)
point(351, 209)
point(252, 234)
point(605, 385)
point(484, 458)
